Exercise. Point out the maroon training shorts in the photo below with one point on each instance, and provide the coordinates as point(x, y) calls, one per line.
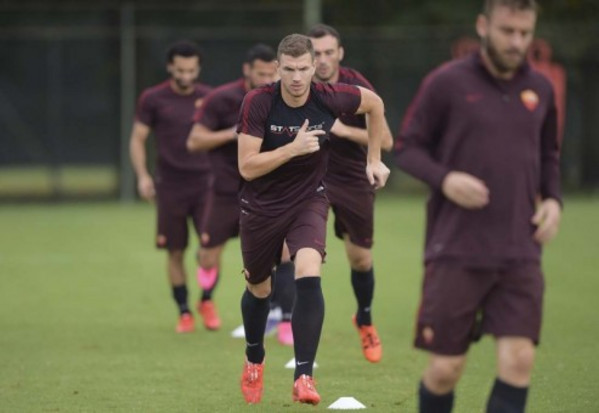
point(354, 213)
point(262, 237)
point(221, 221)
point(176, 203)
point(460, 303)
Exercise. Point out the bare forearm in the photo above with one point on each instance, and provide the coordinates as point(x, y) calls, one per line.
point(137, 151)
point(259, 164)
point(205, 140)
point(360, 135)
point(355, 134)
point(376, 128)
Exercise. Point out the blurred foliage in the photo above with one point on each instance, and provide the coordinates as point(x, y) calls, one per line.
point(443, 12)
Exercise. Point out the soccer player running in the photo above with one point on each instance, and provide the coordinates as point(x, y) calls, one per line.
point(182, 179)
point(350, 194)
point(283, 150)
point(482, 134)
point(214, 130)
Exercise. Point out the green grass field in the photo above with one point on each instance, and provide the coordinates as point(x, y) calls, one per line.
point(87, 322)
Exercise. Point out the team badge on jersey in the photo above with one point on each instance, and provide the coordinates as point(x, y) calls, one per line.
point(530, 99)
point(198, 103)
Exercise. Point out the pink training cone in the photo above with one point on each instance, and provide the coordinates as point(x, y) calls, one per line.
point(207, 277)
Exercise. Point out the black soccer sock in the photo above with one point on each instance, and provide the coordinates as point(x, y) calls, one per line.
point(180, 296)
point(506, 398)
point(363, 284)
point(306, 323)
point(434, 403)
point(285, 288)
point(254, 311)
point(207, 294)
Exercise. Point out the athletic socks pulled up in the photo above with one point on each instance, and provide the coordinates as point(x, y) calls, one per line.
point(434, 403)
point(306, 323)
point(284, 289)
point(506, 398)
point(254, 311)
point(363, 285)
point(180, 296)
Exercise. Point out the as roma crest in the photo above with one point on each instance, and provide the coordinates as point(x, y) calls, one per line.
point(198, 103)
point(530, 99)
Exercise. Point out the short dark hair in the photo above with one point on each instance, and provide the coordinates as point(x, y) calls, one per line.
point(295, 45)
point(322, 30)
point(489, 5)
point(260, 51)
point(183, 48)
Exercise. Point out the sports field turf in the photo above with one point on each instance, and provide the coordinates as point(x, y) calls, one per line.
point(87, 322)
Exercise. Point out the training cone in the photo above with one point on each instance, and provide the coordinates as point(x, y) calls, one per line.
point(346, 403)
point(239, 332)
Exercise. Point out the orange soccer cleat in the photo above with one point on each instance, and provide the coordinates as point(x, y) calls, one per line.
point(207, 309)
point(252, 382)
point(304, 390)
point(185, 324)
point(371, 344)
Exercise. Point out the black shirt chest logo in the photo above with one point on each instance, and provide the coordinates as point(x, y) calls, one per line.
point(291, 131)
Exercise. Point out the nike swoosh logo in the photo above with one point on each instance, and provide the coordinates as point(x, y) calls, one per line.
point(301, 363)
point(251, 344)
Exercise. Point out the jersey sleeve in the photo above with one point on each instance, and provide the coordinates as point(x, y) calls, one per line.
point(145, 111)
point(550, 155)
point(420, 132)
point(208, 114)
point(360, 80)
point(341, 98)
point(254, 113)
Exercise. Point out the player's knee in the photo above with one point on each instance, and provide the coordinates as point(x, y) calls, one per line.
point(361, 263)
point(261, 290)
point(443, 374)
point(307, 263)
point(360, 258)
point(518, 360)
point(175, 256)
point(208, 259)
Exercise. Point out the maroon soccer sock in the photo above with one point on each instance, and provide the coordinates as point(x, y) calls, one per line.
point(363, 284)
point(255, 312)
point(506, 398)
point(284, 294)
point(434, 403)
point(180, 296)
point(306, 323)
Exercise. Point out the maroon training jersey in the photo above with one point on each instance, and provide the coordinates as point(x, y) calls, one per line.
point(265, 115)
point(170, 115)
point(501, 131)
point(347, 161)
point(220, 110)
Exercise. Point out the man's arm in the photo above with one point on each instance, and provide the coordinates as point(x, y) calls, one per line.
point(418, 138)
point(372, 105)
point(137, 152)
point(254, 164)
point(360, 135)
point(203, 139)
point(548, 215)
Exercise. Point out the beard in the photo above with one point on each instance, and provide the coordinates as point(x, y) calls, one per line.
point(327, 76)
point(501, 63)
point(183, 85)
